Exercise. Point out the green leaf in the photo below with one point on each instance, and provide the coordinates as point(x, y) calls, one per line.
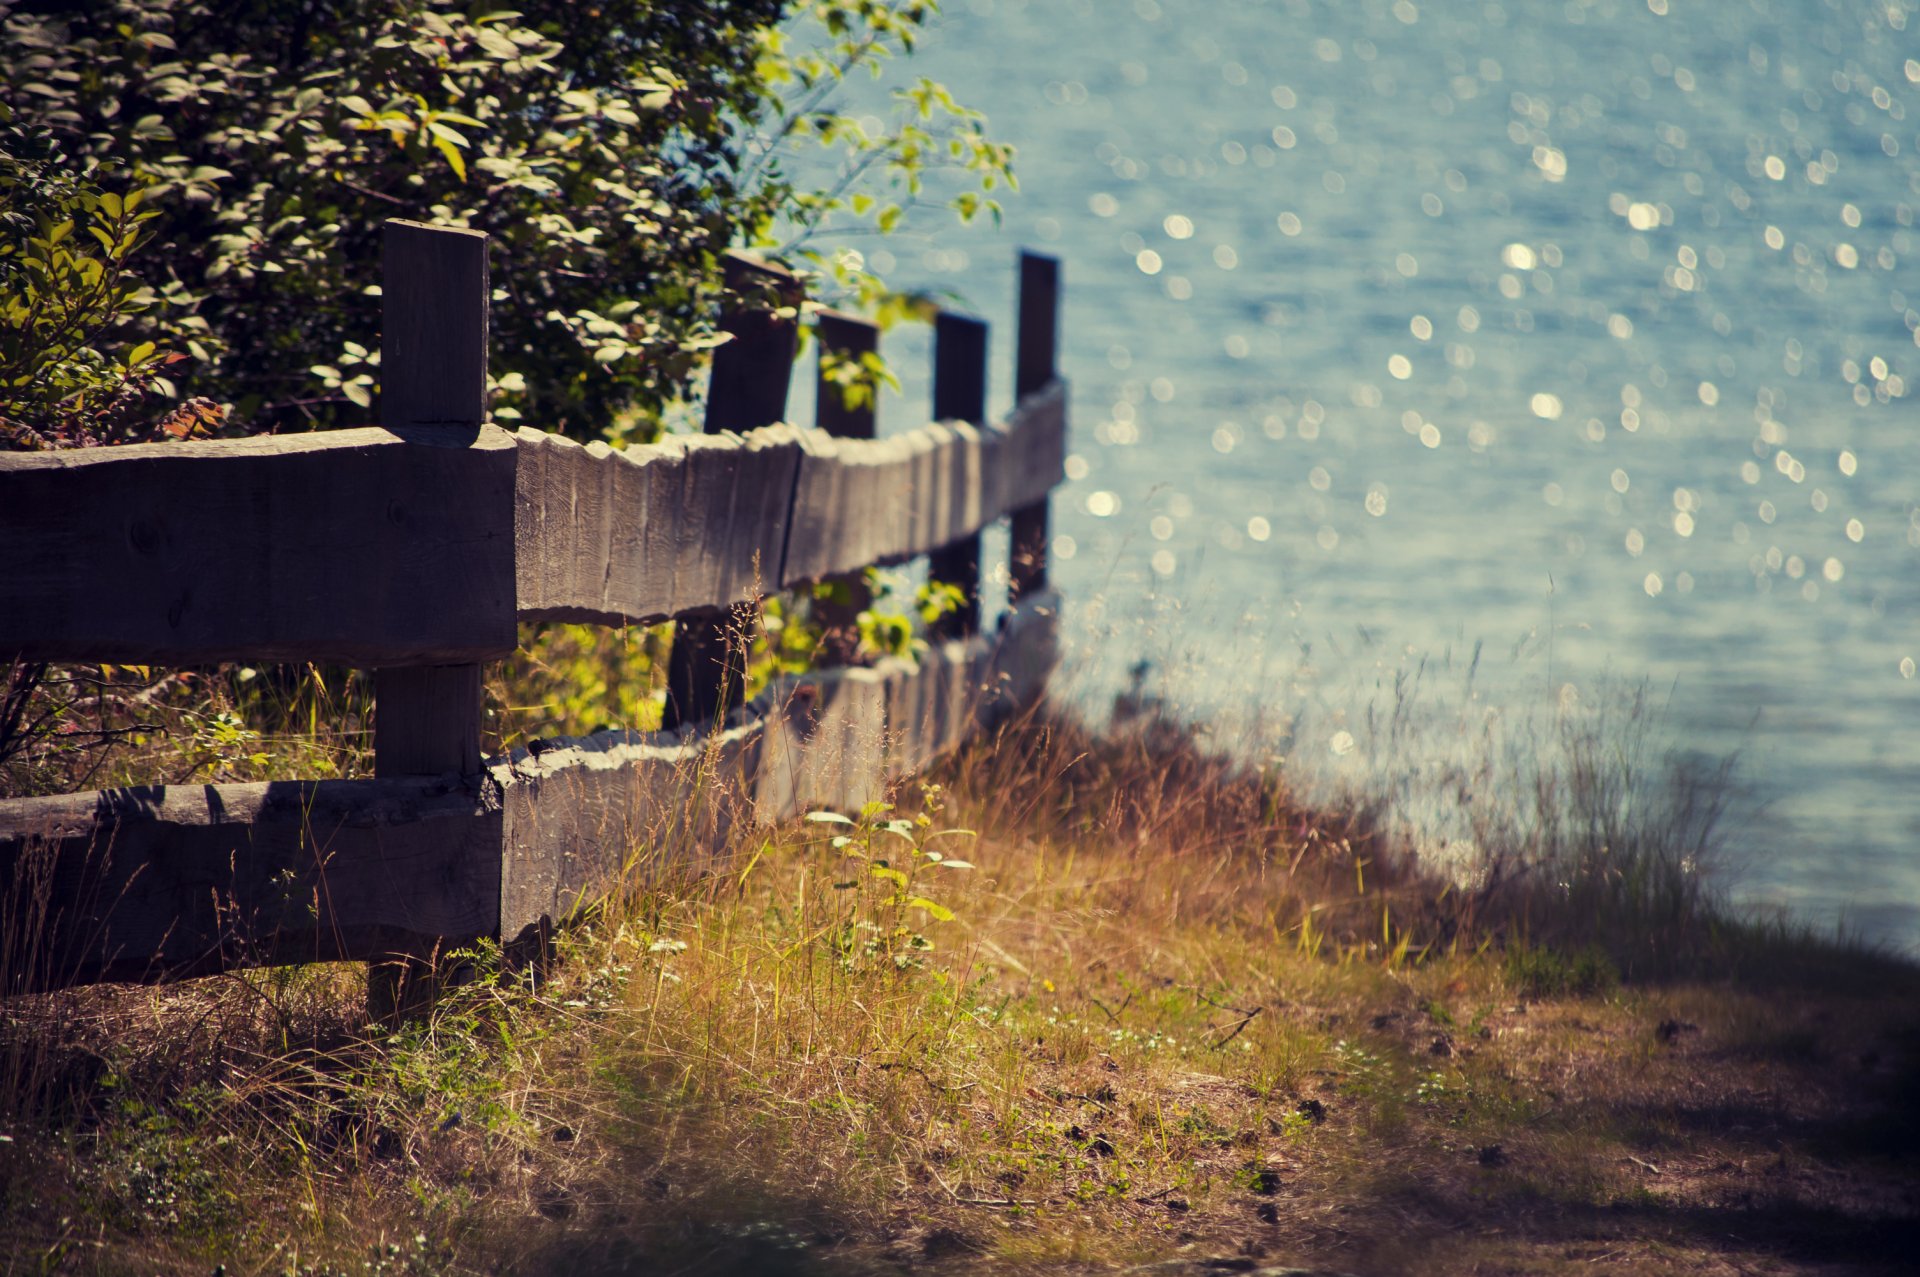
point(939, 913)
point(454, 159)
point(828, 818)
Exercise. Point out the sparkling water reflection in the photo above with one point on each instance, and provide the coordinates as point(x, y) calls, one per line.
point(1589, 321)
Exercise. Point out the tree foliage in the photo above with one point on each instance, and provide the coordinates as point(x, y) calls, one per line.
point(65, 241)
point(611, 150)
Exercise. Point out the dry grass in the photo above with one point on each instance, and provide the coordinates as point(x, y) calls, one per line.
point(1174, 1017)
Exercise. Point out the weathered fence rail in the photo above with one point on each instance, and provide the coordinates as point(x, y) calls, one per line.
point(415, 549)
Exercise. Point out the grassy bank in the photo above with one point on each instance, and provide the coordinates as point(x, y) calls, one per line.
point(1158, 1013)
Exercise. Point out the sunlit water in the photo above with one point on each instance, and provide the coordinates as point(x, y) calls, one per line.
point(1582, 329)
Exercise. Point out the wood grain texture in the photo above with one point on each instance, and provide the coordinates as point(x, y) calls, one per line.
point(364, 548)
point(826, 743)
point(700, 521)
point(837, 738)
point(589, 816)
point(858, 502)
point(1036, 357)
point(361, 547)
point(426, 720)
point(694, 521)
point(960, 395)
point(164, 882)
point(747, 384)
point(434, 303)
point(848, 340)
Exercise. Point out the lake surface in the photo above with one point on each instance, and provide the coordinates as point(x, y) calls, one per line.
point(1577, 330)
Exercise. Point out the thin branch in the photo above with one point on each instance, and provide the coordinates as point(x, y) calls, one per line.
point(1238, 1029)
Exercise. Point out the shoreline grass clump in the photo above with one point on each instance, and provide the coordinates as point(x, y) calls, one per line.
point(1166, 1012)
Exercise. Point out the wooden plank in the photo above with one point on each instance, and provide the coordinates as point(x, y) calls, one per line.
point(747, 389)
point(360, 547)
point(434, 300)
point(1034, 447)
point(849, 341)
point(259, 549)
point(701, 521)
point(1035, 368)
point(934, 704)
point(614, 810)
point(164, 882)
point(1025, 655)
point(825, 743)
point(838, 738)
point(885, 482)
point(959, 395)
point(748, 385)
point(433, 362)
point(426, 720)
point(642, 535)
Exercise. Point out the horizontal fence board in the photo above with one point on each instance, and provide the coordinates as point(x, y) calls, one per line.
point(837, 738)
point(616, 809)
point(826, 743)
point(590, 815)
point(288, 548)
point(641, 535)
point(863, 501)
point(1027, 650)
point(163, 882)
point(297, 548)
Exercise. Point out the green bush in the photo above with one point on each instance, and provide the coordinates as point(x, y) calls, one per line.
point(612, 151)
point(66, 241)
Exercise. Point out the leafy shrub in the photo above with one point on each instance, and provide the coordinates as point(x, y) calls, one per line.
point(612, 152)
point(66, 284)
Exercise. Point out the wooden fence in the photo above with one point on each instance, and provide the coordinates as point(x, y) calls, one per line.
point(416, 548)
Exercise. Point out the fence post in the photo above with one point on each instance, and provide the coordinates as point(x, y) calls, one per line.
point(1034, 367)
point(433, 373)
point(959, 394)
point(849, 338)
point(706, 667)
